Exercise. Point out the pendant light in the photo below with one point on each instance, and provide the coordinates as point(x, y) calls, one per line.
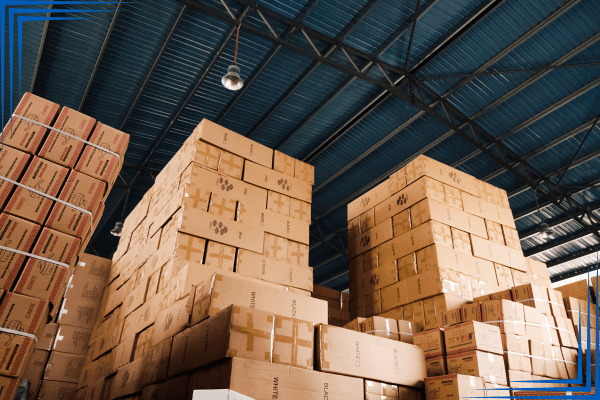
point(232, 80)
point(118, 229)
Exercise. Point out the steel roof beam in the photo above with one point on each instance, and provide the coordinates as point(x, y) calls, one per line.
point(336, 276)
point(113, 22)
point(40, 50)
point(307, 10)
point(555, 243)
point(156, 61)
point(347, 30)
point(574, 256)
point(574, 272)
point(572, 133)
point(327, 261)
point(556, 222)
point(365, 68)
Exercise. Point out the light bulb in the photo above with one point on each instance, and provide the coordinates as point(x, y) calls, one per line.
point(232, 80)
point(116, 231)
point(545, 231)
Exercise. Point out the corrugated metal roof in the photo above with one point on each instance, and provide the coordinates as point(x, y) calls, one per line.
point(529, 110)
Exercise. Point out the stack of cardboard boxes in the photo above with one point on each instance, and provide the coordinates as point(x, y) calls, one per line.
point(60, 353)
point(338, 304)
point(210, 288)
point(58, 166)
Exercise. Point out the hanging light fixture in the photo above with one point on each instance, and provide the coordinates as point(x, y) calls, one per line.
point(544, 230)
point(232, 79)
point(118, 229)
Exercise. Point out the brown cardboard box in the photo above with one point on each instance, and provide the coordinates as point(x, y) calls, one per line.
point(255, 379)
point(23, 313)
point(62, 149)
point(504, 276)
point(461, 241)
point(471, 312)
point(278, 182)
point(13, 163)
point(219, 291)
point(533, 296)
point(25, 135)
point(401, 222)
point(382, 327)
point(98, 163)
point(453, 387)
point(322, 291)
point(352, 353)
point(579, 290)
point(143, 344)
point(217, 255)
point(497, 253)
point(492, 194)
point(171, 321)
point(495, 390)
point(375, 236)
point(43, 176)
point(370, 260)
point(46, 339)
point(425, 166)
point(565, 332)
point(431, 283)
point(433, 308)
point(273, 270)
point(42, 279)
point(94, 267)
point(14, 233)
point(397, 181)
point(278, 203)
point(51, 389)
point(511, 237)
point(516, 352)
point(380, 277)
point(305, 172)
point(452, 317)
point(414, 312)
point(507, 315)
point(540, 273)
point(128, 380)
point(407, 330)
point(237, 144)
point(293, 342)
point(494, 232)
point(124, 351)
point(407, 266)
point(231, 165)
point(394, 296)
point(473, 335)
point(487, 210)
point(9, 386)
point(370, 199)
point(355, 324)
point(436, 366)
point(275, 247)
point(82, 191)
point(72, 340)
point(367, 220)
point(478, 363)
point(557, 304)
point(36, 365)
point(431, 342)
point(77, 311)
point(64, 367)
point(519, 379)
point(429, 233)
point(435, 257)
point(284, 163)
point(156, 362)
point(430, 209)
point(300, 210)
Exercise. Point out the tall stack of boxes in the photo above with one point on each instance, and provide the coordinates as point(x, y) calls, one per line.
point(338, 304)
point(211, 281)
point(58, 167)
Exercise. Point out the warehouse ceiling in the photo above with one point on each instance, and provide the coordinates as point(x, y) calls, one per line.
point(505, 90)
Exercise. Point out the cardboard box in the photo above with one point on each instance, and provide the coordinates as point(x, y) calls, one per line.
point(9, 386)
point(433, 308)
point(511, 237)
point(382, 327)
point(436, 256)
point(43, 176)
point(407, 330)
point(430, 209)
point(431, 283)
point(507, 315)
point(322, 291)
point(504, 276)
point(424, 235)
point(72, 340)
point(473, 335)
point(46, 339)
point(401, 222)
point(231, 164)
point(539, 271)
point(14, 233)
point(278, 182)
point(237, 144)
point(452, 317)
point(93, 267)
point(533, 296)
point(478, 363)
point(352, 353)
point(273, 270)
point(519, 379)
point(414, 312)
point(367, 220)
point(355, 324)
point(13, 163)
point(36, 365)
point(380, 277)
point(300, 210)
point(128, 380)
point(487, 210)
point(45, 280)
point(156, 362)
point(219, 291)
point(398, 181)
point(431, 342)
point(293, 342)
point(62, 149)
point(23, 313)
point(278, 203)
point(64, 367)
point(51, 389)
point(471, 312)
point(425, 166)
point(461, 241)
point(77, 311)
point(283, 163)
point(453, 386)
point(436, 366)
point(494, 252)
point(256, 379)
point(98, 163)
point(305, 172)
point(171, 321)
point(494, 232)
point(371, 199)
point(495, 390)
point(25, 135)
point(579, 290)
point(82, 191)
point(375, 236)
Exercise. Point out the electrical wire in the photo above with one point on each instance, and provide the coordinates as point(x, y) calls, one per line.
point(237, 36)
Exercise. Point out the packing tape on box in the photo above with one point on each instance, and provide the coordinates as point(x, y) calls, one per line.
point(68, 134)
point(19, 333)
point(53, 198)
point(23, 253)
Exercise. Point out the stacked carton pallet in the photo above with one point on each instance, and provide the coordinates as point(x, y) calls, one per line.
point(58, 167)
point(211, 282)
point(338, 304)
point(57, 362)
